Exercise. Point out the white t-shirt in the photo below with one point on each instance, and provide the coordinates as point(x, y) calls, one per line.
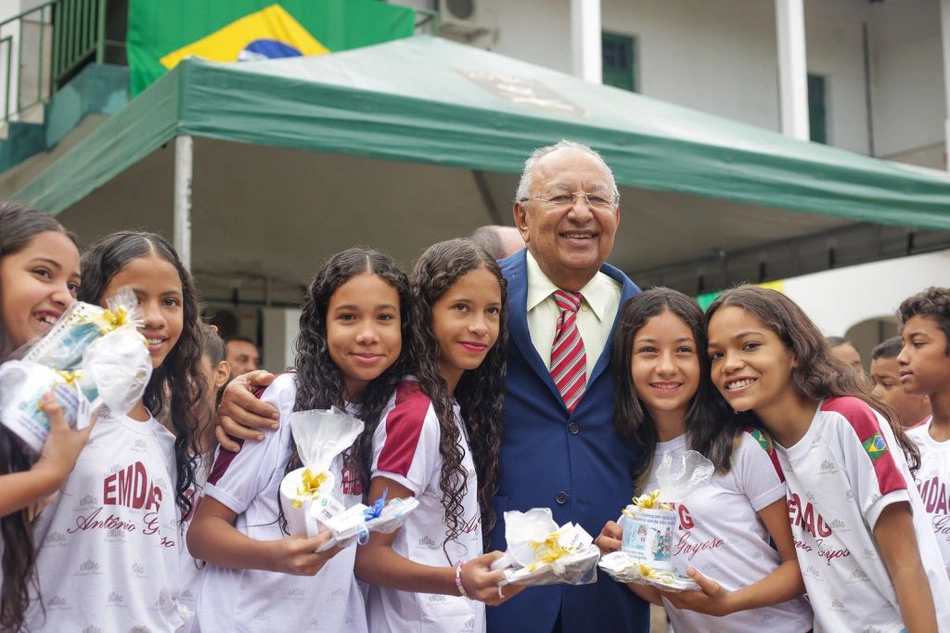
point(191, 569)
point(721, 535)
point(933, 483)
point(108, 546)
point(841, 475)
point(406, 450)
point(248, 484)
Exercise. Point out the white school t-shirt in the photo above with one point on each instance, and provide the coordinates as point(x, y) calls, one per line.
point(933, 484)
point(720, 534)
point(841, 475)
point(108, 545)
point(191, 569)
point(247, 600)
point(406, 450)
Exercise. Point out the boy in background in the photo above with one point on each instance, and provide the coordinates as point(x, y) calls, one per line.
point(885, 374)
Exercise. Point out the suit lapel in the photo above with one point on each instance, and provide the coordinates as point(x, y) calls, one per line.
point(518, 322)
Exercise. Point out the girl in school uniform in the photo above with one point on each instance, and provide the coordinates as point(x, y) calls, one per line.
point(215, 371)
point(107, 546)
point(666, 403)
point(438, 441)
point(349, 356)
point(867, 555)
point(39, 278)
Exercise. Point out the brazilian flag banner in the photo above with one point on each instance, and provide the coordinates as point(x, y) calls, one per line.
point(164, 32)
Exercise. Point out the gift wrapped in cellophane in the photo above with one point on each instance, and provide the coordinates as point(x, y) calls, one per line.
point(309, 495)
point(541, 553)
point(649, 525)
point(356, 523)
point(91, 358)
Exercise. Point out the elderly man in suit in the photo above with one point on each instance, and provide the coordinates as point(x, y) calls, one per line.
point(559, 448)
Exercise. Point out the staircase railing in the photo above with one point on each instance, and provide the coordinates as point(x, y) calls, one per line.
point(43, 47)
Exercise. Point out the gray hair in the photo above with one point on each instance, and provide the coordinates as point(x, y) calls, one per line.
point(527, 176)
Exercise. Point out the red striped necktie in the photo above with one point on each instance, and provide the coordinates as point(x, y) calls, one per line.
point(568, 359)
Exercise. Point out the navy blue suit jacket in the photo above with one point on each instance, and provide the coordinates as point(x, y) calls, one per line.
point(573, 463)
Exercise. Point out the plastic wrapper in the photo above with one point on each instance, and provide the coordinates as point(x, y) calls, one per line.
point(541, 553)
point(62, 348)
point(649, 524)
point(626, 569)
point(308, 495)
point(356, 523)
point(92, 358)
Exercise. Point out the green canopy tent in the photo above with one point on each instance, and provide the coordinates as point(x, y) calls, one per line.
point(405, 143)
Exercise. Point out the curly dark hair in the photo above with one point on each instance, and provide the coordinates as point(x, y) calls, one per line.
point(19, 224)
point(479, 393)
point(712, 428)
point(934, 302)
point(816, 374)
point(178, 383)
point(319, 381)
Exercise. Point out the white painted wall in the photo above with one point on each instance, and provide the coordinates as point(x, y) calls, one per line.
point(836, 300)
point(909, 107)
point(719, 56)
point(280, 329)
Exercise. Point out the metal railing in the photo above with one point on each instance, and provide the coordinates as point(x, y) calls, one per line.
point(43, 47)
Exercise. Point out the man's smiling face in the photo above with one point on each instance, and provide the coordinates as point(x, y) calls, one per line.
point(570, 243)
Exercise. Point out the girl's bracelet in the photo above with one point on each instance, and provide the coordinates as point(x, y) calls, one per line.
point(458, 580)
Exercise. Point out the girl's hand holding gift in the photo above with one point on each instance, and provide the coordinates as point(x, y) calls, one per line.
point(297, 555)
point(483, 584)
point(63, 444)
point(35, 489)
point(710, 598)
point(610, 538)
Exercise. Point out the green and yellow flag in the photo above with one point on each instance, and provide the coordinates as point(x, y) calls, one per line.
point(163, 32)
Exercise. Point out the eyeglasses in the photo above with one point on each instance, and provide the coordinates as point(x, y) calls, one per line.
point(596, 201)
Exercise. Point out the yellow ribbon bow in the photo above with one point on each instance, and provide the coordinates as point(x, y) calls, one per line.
point(548, 550)
point(71, 377)
point(649, 501)
point(115, 319)
point(309, 487)
point(664, 577)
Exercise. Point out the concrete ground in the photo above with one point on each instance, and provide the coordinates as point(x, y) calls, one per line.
point(657, 619)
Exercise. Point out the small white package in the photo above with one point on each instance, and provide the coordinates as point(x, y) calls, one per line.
point(104, 363)
point(624, 568)
point(355, 523)
point(649, 524)
point(309, 495)
point(541, 553)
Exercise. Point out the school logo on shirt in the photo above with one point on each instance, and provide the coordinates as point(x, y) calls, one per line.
point(933, 493)
point(875, 446)
point(56, 602)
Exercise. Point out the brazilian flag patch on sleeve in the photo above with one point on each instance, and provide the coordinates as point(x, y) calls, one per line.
point(875, 446)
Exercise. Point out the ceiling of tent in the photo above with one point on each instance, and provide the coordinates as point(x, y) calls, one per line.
point(296, 159)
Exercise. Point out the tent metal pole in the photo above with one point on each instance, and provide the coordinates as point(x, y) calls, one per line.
point(792, 68)
point(586, 40)
point(184, 153)
point(945, 37)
